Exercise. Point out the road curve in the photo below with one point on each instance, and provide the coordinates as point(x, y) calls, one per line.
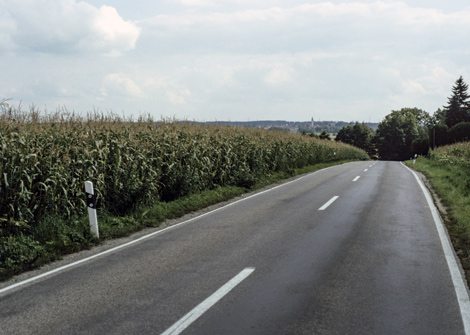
point(351, 249)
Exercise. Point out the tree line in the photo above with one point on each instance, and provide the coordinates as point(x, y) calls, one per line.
point(330, 127)
point(409, 131)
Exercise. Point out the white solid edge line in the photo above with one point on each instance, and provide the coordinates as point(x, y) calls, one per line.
point(357, 178)
point(325, 206)
point(200, 309)
point(456, 275)
point(21, 283)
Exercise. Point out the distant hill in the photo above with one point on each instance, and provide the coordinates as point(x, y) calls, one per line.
point(331, 127)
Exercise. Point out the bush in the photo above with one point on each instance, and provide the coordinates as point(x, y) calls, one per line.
point(18, 253)
point(420, 146)
point(438, 136)
point(324, 135)
point(459, 133)
point(457, 154)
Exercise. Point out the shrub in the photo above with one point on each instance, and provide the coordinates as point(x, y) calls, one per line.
point(457, 154)
point(420, 146)
point(438, 136)
point(459, 133)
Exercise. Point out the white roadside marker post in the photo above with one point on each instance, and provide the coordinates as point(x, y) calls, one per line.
point(91, 204)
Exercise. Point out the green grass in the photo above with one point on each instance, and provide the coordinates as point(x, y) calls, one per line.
point(451, 181)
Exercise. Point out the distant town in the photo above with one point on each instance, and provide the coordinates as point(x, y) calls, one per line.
point(331, 127)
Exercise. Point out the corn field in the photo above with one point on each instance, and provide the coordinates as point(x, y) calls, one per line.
point(45, 160)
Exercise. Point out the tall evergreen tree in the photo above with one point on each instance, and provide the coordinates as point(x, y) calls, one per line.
point(458, 109)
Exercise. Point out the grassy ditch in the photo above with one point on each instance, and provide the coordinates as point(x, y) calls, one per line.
point(448, 170)
point(143, 173)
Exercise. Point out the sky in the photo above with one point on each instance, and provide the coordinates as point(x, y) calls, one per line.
point(233, 60)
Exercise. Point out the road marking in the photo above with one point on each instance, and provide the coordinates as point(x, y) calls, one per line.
point(357, 178)
point(366, 170)
point(325, 206)
point(200, 309)
point(158, 232)
point(455, 273)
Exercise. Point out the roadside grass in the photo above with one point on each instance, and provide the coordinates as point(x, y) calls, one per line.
point(451, 183)
point(53, 237)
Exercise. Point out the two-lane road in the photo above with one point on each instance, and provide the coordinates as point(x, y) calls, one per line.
point(351, 249)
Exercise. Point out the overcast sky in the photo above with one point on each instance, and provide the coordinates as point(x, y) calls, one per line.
point(235, 60)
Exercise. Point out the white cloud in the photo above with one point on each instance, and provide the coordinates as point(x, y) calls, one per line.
point(197, 3)
point(65, 26)
point(279, 75)
point(397, 12)
point(7, 28)
point(426, 85)
point(120, 84)
point(305, 27)
point(413, 86)
point(112, 32)
point(178, 97)
point(235, 59)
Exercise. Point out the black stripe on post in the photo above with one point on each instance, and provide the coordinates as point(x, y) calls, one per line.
point(91, 200)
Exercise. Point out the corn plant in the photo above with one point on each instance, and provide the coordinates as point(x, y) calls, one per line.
point(45, 160)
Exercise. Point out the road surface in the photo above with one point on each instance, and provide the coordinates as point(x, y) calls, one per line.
point(351, 249)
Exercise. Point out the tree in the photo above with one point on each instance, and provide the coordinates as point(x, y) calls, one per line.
point(458, 109)
point(420, 146)
point(344, 135)
point(439, 117)
point(358, 135)
point(324, 135)
point(396, 134)
point(438, 135)
point(422, 117)
point(459, 133)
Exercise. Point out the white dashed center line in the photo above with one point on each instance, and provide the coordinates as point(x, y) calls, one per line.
point(200, 309)
point(325, 206)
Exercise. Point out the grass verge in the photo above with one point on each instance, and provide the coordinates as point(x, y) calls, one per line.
point(451, 183)
point(55, 237)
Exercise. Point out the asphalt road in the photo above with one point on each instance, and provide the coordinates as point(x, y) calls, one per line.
point(329, 253)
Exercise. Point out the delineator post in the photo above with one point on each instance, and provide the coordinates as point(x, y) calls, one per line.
point(91, 204)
